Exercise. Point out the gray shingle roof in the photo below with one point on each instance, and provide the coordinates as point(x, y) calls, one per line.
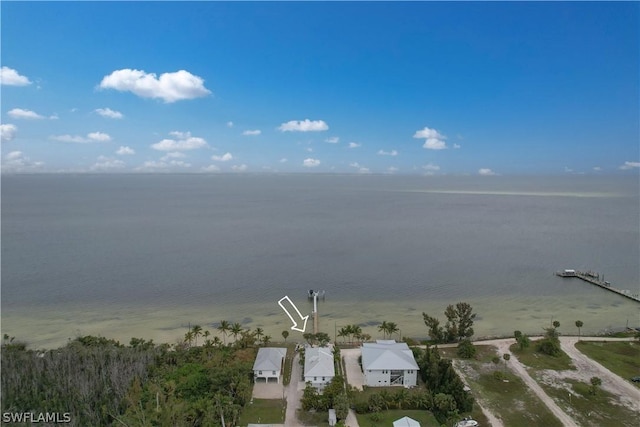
point(387, 355)
point(318, 362)
point(269, 359)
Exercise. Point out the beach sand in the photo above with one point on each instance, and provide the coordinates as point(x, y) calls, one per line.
point(496, 316)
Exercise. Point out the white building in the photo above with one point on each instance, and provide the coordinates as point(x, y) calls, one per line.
point(406, 422)
point(269, 363)
point(387, 363)
point(318, 366)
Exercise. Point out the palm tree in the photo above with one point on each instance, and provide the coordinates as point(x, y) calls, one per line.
point(344, 333)
point(224, 328)
point(285, 335)
point(197, 331)
point(579, 325)
point(392, 328)
point(236, 329)
point(266, 340)
point(259, 332)
point(384, 327)
point(188, 337)
point(357, 332)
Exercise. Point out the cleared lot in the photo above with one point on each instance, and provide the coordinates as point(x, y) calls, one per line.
point(355, 377)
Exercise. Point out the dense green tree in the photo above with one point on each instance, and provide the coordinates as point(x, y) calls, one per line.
point(466, 349)
point(285, 335)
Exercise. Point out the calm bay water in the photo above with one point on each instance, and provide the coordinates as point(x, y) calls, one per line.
point(143, 255)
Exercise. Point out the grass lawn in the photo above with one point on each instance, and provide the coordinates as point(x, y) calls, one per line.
point(588, 409)
point(512, 401)
point(534, 359)
point(317, 419)
point(484, 353)
point(621, 358)
point(264, 411)
point(425, 418)
point(286, 375)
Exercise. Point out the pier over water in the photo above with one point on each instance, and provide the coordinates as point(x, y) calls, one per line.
point(594, 279)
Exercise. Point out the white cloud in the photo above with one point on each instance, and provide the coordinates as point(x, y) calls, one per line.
point(361, 169)
point(180, 163)
point(311, 163)
point(224, 158)
point(109, 113)
point(8, 132)
point(91, 137)
point(124, 151)
point(16, 161)
point(283, 160)
point(106, 163)
point(430, 167)
point(170, 87)
point(229, 124)
point(53, 117)
point(434, 144)
point(183, 142)
point(99, 136)
point(19, 113)
point(456, 146)
point(305, 125)
point(173, 155)
point(630, 165)
point(434, 140)
point(309, 150)
point(354, 145)
point(597, 168)
point(486, 172)
point(387, 153)
point(10, 77)
point(392, 169)
point(252, 132)
point(239, 168)
point(332, 140)
point(211, 168)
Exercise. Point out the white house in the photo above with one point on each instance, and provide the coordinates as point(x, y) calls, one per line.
point(406, 422)
point(387, 363)
point(318, 366)
point(269, 363)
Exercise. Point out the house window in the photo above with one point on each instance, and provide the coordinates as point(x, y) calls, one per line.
point(322, 378)
point(259, 372)
point(273, 372)
point(315, 378)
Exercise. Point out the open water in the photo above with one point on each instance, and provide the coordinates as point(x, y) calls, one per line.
point(145, 255)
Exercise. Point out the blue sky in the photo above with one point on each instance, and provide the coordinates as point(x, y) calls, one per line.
point(325, 87)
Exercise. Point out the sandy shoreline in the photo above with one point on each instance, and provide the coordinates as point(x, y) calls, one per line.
point(43, 327)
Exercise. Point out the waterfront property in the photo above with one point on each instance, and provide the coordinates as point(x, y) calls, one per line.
point(388, 363)
point(269, 363)
point(318, 366)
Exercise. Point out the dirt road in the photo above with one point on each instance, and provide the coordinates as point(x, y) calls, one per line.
point(294, 394)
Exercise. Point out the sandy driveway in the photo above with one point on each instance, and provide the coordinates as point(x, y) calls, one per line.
point(355, 377)
point(293, 393)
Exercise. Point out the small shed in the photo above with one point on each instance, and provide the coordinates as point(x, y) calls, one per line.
point(406, 422)
point(332, 417)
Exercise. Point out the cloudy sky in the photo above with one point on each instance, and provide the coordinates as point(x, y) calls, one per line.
point(410, 88)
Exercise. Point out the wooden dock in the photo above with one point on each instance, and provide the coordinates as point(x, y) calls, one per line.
point(594, 279)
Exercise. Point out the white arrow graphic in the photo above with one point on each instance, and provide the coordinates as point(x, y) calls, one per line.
point(295, 324)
